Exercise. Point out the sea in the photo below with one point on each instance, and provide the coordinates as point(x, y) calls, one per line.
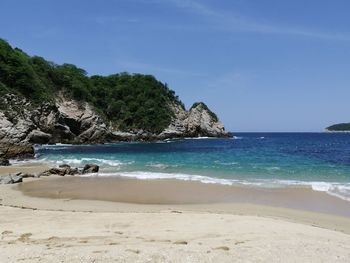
point(319, 161)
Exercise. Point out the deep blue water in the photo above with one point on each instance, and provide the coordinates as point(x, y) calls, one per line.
point(320, 160)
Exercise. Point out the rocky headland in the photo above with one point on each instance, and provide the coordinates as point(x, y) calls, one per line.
point(45, 103)
point(23, 124)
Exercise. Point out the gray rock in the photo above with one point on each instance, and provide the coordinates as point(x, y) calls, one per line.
point(39, 137)
point(64, 166)
point(72, 171)
point(90, 168)
point(17, 179)
point(4, 162)
point(25, 175)
point(202, 122)
point(63, 170)
point(64, 121)
point(6, 179)
point(69, 121)
point(11, 179)
point(198, 121)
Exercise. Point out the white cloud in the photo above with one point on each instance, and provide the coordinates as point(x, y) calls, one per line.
point(234, 22)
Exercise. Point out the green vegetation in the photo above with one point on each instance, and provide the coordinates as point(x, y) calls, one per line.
point(339, 127)
point(129, 101)
point(212, 114)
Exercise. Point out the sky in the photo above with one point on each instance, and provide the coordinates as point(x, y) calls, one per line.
point(272, 65)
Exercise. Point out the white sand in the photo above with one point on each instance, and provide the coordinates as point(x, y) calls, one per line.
point(54, 236)
point(164, 233)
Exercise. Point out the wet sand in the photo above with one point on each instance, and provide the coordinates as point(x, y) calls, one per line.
point(176, 192)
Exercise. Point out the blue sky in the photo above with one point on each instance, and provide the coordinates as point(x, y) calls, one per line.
point(272, 65)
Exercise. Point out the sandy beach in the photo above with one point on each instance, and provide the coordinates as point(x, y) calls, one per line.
point(42, 221)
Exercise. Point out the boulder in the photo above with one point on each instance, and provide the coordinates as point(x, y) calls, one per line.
point(63, 170)
point(39, 137)
point(6, 179)
point(202, 121)
point(17, 178)
point(4, 162)
point(198, 121)
point(23, 150)
point(90, 168)
point(64, 165)
point(11, 179)
point(25, 175)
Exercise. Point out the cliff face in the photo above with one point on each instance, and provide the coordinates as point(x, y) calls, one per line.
point(65, 121)
point(70, 121)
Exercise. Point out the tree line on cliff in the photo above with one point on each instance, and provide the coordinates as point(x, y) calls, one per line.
point(130, 101)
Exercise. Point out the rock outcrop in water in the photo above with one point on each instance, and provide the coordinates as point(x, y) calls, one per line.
point(340, 127)
point(69, 121)
point(199, 121)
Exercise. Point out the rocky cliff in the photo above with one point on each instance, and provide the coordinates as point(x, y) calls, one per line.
point(68, 121)
point(197, 122)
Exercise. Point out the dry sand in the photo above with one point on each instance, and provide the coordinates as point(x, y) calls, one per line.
point(32, 229)
point(23, 168)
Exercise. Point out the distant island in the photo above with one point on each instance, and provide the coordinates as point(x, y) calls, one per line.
point(45, 103)
point(341, 127)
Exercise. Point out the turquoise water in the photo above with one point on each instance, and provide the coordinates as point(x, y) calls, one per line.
point(317, 160)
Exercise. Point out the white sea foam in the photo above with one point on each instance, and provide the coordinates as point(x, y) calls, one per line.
point(321, 186)
point(226, 163)
point(199, 138)
point(158, 165)
point(179, 176)
point(273, 168)
point(116, 164)
point(161, 165)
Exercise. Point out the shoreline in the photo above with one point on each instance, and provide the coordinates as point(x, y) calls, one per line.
point(11, 196)
point(74, 230)
point(179, 192)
